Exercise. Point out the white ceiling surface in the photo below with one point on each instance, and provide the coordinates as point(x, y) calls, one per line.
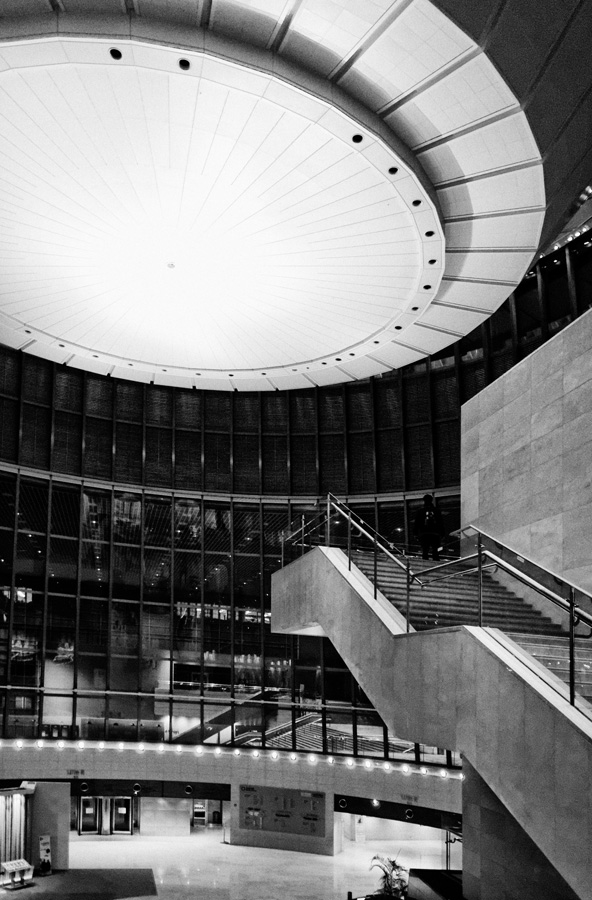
point(219, 228)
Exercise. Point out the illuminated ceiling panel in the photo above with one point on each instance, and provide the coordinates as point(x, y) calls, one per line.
point(197, 211)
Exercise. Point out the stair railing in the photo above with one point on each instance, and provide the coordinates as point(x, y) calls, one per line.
point(485, 554)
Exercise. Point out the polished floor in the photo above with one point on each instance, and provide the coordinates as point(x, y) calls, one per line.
point(203, 867)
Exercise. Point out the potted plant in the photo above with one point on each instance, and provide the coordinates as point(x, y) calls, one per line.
point(394, 881)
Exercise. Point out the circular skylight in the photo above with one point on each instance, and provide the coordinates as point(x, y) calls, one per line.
point(214, 219)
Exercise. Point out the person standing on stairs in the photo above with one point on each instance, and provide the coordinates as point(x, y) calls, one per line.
point(429, 528)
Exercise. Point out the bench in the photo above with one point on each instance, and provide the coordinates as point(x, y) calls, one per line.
point(17, 870)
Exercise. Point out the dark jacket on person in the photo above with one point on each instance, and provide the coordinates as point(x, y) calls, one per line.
point(428, 520)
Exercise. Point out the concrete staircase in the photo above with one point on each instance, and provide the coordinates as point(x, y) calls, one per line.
point(454, 601)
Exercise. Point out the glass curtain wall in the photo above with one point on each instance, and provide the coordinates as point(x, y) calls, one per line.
point(129, 615)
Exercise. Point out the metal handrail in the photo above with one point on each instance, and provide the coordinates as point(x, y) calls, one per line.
point(522, 556)
point(482, 555)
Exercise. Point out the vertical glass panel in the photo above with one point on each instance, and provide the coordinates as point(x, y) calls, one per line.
point(340, 731)
point(125, 629)
point(249, 722)
point(94, 576)
point(157, 521)
point(90, 717)
point(65, 510)
point(371, 734)
point(309, 734)
point(126, 573)
point(93, 629)
point(188, 631)
point(155, 647)
point(7, 500)
point(127, 518)
point(247, 529)
point(60, 638)
point(188, 524)
point(391, 523)
point(157, 575)
point(27, 638)
point(274, 522)
point(96, 515)
point(186, 725)
point(92, 671)
point(217, 528)
point(122, 722)
point(271, 564)
point(30, 561)
point(23, 714)
point(33, 505)
point(247, 581)
point(338, 686)
point(188, 571)
point(5, 596)
point(63, 565)
point(151, 721)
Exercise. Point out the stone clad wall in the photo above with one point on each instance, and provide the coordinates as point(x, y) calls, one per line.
point(526, 471)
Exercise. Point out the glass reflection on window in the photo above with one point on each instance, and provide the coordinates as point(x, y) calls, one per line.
point(127, 518)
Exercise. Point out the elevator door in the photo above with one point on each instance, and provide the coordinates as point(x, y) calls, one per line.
point(121, 815)
point(88, 815)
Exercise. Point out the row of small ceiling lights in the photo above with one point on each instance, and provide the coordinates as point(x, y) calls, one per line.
point(311, 758)
point(576, 233)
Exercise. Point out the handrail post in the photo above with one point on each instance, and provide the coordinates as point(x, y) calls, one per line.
point(408, 597)
point(283, 547)
point(349, 546)
point(302, 535)
point(328, 523)
point(480, 578)
point(572, 647)
point(375, 566)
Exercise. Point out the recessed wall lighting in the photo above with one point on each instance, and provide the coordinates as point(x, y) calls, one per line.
point(184, 64)
point(393, 170)
point(357, 138)
point(115, 53)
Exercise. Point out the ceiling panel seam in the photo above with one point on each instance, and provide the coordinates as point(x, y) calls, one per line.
point(448, 69)
point(283, 24)
point(490, 173)
point(468, 129)
point(369, 38)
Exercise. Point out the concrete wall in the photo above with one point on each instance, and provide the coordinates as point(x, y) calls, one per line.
point(497, 852)
point(165, 815)
point(50, 814)
point(90, 763)
point(466, 689)
point(526, 470)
